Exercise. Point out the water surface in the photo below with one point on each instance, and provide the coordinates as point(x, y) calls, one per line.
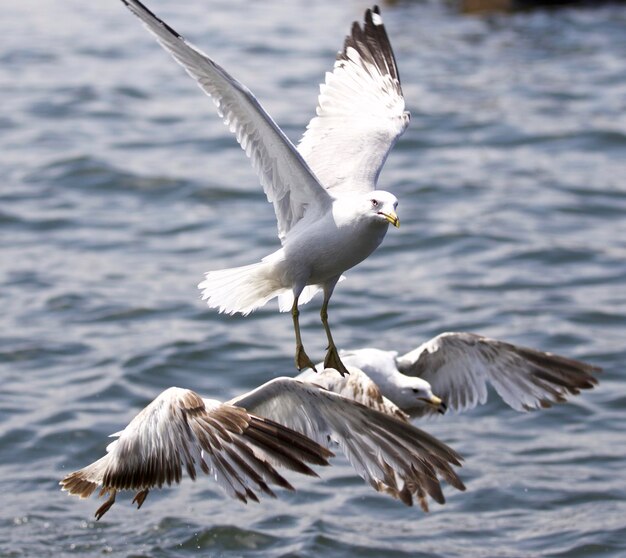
point(120, 187)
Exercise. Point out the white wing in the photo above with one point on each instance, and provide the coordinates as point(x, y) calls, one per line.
point(460, 365)
point(360, 112)
point(179, 430)
point(382, 449)
point(357, 385)
point(287, 180)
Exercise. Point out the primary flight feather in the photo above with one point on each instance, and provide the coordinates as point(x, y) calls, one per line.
point(330, 215)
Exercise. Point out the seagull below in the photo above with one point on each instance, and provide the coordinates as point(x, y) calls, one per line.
point(181, 430)
point(330, 214)
point(284, 422)
point(453, 370)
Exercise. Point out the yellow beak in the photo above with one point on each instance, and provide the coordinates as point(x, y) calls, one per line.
point(392, 218)
point(436, 403)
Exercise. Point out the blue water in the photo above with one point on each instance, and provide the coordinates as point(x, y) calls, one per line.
point(120, 187)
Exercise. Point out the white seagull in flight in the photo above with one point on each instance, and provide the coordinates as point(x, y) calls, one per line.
point(284, 422)
point(330, 214)
point(453, 370)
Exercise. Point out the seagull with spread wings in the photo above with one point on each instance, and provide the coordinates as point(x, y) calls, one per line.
point(330, 214)
point(180, 431)
point(454, 370)
point(284, 423)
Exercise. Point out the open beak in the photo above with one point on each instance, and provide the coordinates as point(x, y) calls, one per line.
point(437, 404)
point(392, 218)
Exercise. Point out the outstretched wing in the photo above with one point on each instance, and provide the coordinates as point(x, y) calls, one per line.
point(181, 431)
point(393, 456)
point(460, 365)
point(360, 112)
point(287, 180)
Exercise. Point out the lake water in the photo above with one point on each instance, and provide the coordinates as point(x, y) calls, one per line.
point(120, 187)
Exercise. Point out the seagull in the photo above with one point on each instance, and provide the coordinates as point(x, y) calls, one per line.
point(284, 422)
point(453, 370)
point(330, 214)
point(396, 395)
point(180, 429)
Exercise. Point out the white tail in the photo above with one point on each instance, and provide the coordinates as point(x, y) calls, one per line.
point(240, 289)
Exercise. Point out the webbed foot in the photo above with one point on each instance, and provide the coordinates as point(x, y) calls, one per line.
point(107, 505)
point(302, 359)
point(140, 497)
point(332, 360)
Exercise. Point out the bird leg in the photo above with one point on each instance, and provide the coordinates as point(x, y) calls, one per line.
point(332, 359)
point(302, 359)
point(107, 505)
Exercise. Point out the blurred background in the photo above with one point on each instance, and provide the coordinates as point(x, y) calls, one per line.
point(120, 187)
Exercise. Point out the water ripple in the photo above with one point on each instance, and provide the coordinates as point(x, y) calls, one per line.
point(121, 188)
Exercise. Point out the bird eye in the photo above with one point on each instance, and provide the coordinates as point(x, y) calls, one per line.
point(415, 390)
point(374, 203)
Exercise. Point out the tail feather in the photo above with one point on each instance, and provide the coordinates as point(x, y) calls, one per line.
point(84, 481)
point(240, 289)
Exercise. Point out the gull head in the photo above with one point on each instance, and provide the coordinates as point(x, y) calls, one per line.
point(411, 393)
point(415, 394)
point(381, 206)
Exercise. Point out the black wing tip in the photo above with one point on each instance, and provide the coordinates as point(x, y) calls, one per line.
point(136, 5)
point(372, 43)
point(369, 16)
point(569, 374)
